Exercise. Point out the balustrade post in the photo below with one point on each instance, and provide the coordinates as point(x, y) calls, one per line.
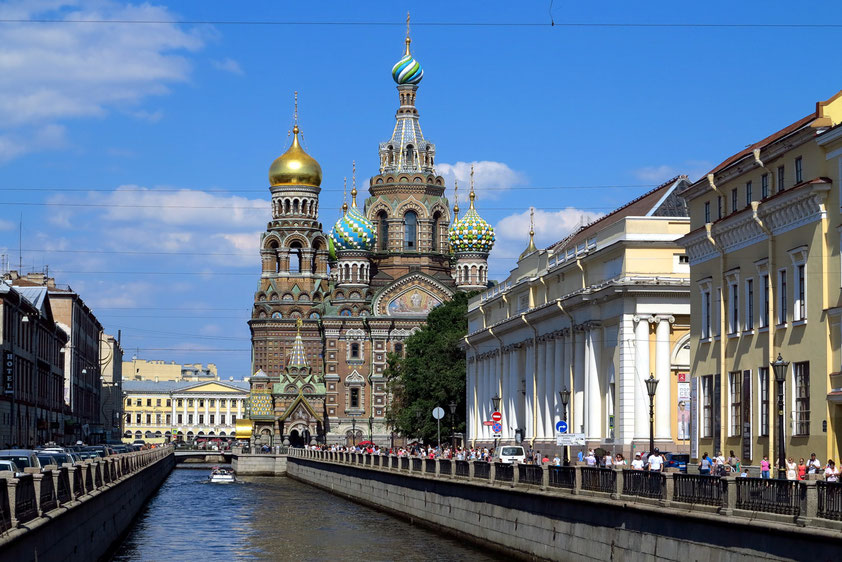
point(810, 503)
point(515, 474)
point(619, 484)
point(36, 482)
point(545, 476)
point(729, 496)
point(668, 491)
point(577, 480)
point(471, 470)
point(438, 467)
point(492, 472)
point(56, 474)
point(12, 487)
point(71, 476)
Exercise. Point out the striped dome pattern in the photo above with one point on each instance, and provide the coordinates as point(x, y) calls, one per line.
point(407, 70)
point(352, 232)
point(471, 234)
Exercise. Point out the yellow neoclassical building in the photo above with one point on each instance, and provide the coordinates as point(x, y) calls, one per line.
point(764, 251)
point(165, 411)
point(159, 370)
point(596, 313)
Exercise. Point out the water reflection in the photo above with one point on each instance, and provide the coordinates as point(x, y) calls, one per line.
point(273, 519)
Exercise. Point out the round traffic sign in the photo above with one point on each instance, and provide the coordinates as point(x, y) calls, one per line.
point(497, 428)
point(497, 416)
point(561, 426)
point(438, 412)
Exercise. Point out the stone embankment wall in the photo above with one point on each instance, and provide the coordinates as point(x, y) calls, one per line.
point(259, 464)
point(532, 522)
point(78, 511)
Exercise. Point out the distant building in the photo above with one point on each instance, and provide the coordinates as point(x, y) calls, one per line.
point(595, 314)
point(157, 370)
point(82, 383)
point(111, 410)
point(32, 408)
point(764, 249)
point(165, 411)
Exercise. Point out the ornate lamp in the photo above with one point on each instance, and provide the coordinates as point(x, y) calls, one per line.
point(651, 387)
point(781, 367)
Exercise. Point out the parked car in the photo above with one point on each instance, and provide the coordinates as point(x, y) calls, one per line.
point(677, 460)
point(46, 458)
point(7, 464)
point(60, 456)
point(24, 458)
point(512, 453)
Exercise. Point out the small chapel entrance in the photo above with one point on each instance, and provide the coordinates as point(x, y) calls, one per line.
point(299, 437)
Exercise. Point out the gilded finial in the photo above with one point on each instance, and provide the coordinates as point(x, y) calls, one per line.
point(344, 195)
point(353, 183)
point(408, 40)
point(531, 222)
point(456, 196)
point(298, 324)
point(295, 112)
point(472, 195)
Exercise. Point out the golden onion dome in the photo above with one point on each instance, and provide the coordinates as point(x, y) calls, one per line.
point(295, 167)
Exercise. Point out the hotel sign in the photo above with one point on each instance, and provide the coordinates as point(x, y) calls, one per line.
point(8, 372)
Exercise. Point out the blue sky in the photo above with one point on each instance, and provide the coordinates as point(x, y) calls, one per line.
point(137, 155)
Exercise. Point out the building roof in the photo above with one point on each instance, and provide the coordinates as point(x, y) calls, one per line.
point(35, 295)
point(661, 201)
point(175, 386)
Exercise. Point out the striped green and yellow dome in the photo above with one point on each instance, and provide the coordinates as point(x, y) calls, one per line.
point(471, 233)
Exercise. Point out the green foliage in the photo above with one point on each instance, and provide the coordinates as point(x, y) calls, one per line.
point(431, 373)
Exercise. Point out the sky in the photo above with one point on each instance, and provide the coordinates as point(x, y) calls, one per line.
point(134, 157)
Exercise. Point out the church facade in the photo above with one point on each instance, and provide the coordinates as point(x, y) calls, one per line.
point(330, 307)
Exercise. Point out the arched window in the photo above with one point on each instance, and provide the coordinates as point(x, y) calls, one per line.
point(435, 237)
point(410, 235)
point(355, 350)
point(382, 231)
point(295, 257)
point(273, 245)
point(317, 246)
point(410, 155)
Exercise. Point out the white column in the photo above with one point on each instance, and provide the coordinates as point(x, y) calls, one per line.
point(578, 344)
point(663, 396)
point(560, 377)
point(641, 369)
point(239, 409)
point(528, 416)
point(549, 386)
point(216, 418)
point(481, 397)
point(538, 411)
point(514, 391)
point(504, 394)
point(594, 394)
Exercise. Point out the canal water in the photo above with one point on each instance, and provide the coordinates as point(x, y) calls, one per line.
point(266, 518)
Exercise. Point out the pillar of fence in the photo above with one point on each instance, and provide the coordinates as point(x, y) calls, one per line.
point(729, 496)
point(471, 470)
point(515, 474)
point(438, 467)
point(669, 490)
point(577, 484)
point(618, 484)
point(810, 504)
point(492, 472)
point(37, 478)
point(12, 486)
point(545, 476)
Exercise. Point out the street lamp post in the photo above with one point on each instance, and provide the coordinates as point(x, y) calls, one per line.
point(371, 428)
point(495, 401)
point(780, 367)
point(452, 428)
point(565, 399)
point(354, 429)
point(651, 387)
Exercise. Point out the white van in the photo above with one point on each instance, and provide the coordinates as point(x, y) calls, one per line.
point(512, 453)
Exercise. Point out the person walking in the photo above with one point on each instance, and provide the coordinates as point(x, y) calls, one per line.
point(655, 461)
point(637, 463)
point(764, 468)
point(705, 465)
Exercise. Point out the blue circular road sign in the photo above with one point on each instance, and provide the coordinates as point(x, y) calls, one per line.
point(561, 426)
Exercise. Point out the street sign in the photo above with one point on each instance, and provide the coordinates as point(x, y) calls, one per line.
point(497, 427)
point(489, 423)
point(438, 413)
point(570, 439)
point(561, 426)
point(497, 416)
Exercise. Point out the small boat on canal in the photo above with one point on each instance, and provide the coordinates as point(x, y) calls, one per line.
point(221, 476)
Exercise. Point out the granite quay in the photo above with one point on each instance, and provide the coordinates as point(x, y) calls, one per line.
point(78, 510)
point(561, 513)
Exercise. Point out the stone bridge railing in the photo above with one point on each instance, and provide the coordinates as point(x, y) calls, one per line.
point(817, 503)
point(38, 491)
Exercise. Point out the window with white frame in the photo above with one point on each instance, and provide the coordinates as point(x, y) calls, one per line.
point(764, 312)
point(799, 170)
point(799, 292)
point(764, 186)
point(707, 406)
point(706, 305)
point(734, 309)
point(749, 320)
point(735, 394)
point(763, 397)
point(782, 300)
point(749, 195)
point(801, 388)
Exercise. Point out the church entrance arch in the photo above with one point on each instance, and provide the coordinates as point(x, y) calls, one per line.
point(299, 436)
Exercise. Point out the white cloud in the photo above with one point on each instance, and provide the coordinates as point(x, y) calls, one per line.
point(7, 225)
point(118, 295)
point(149, 116)
point(47, 137)
point(512, 234)
point(491, 179)
point(228, 65)
point(658, 174)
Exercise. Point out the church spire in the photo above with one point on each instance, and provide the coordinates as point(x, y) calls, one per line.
point(298, 357)
point(531, 247)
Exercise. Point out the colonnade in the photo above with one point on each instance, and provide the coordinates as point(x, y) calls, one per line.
point(528, 375)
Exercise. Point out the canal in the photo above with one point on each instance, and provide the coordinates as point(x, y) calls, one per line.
point(269, 518)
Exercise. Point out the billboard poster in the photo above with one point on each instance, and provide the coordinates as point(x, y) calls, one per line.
point(683, 412)
point(694, 418)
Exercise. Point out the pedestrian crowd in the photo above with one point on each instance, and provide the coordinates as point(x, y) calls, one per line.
point(720, 466)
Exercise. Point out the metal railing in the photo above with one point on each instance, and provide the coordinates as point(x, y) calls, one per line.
point(63, 492)
point(562, 477)
point(5, 511)
point(530, 474)
point(697, 489)
point(829, 500)
point(26, 508)
point(416, 464)
point(643, 483)
point(430, 466)
point(462, 468)
point(482, 469)
point(771, 496)
point(47, 493)
point(599, 479)
point(504, 472)
point(445, 466)
point(404, 463)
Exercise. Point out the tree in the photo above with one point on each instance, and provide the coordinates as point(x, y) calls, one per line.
point(431, 373)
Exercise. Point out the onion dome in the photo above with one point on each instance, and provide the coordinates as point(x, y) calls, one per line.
point(407, 70)
point(295, 167)
point(471, 233)
point(352, 231)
